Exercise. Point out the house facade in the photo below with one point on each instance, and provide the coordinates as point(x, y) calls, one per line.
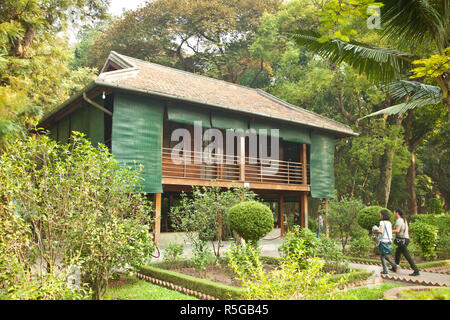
point(189, 130)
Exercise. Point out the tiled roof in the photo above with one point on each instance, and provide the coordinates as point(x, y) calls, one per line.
point(152, 77)
point(143, 76)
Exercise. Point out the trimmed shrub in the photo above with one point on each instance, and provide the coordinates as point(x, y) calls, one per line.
point(370, 216)
point(251, 220)
point(426, 236)
point(211, 288)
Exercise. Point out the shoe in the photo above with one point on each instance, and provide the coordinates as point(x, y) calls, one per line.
point(393, 269)
point(384, 272)
point(415, 274)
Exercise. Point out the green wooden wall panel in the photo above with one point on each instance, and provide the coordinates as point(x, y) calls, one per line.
point(80, 120)
point(137, 136)
point(96, 123)
point(322, 165)
point(63, 129)
point(223, 120)
point(287, 132)
point(187, 114)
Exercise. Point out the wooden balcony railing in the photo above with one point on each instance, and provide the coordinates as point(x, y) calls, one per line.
point(191, 165)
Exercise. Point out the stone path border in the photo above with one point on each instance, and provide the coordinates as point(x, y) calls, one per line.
point(415, 281)
point(172, 286)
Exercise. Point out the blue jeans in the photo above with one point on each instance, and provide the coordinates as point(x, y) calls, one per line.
point(319, 231)
point(383, 262)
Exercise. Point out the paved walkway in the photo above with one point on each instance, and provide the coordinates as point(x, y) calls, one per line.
point(270, 248)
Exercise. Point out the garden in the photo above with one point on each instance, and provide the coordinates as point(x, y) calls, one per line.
point(72, 229)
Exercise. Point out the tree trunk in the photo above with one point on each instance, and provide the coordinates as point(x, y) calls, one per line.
point(410, 186)
point(384, 185)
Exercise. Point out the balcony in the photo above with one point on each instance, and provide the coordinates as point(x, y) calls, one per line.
point(191, 169)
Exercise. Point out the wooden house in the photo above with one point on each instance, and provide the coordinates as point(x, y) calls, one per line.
point(134, 106)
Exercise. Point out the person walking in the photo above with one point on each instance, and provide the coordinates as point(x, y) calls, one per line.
point(402, 241)
point(320, 225)
point(385, 229)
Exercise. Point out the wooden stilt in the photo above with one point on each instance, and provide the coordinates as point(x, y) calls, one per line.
point(304, 210)
point(157, 216)
point(281, 213)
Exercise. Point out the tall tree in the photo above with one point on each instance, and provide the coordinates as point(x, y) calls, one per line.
point(210, 37)
point(34, 58)
point(420, 27)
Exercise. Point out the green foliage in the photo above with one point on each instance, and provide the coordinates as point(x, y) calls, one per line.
point(202, 214)
point(426, 236)
point(289, 281)
point(435, 206)
point(202, 256)
point(432, 294)
point(252, 220)
point(173, 252)
point(370, 216)
point(211, 288)
point(305, 240)
point(361, 247)
point(442, 223)
point(34, 59)
point(342, 217)
point(244, 259)
point(80, 206)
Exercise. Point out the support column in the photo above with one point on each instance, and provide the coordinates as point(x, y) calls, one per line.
point(242, 158)
point(157, 217)
point(304, 159)
point(304, 210)
point(281, 213)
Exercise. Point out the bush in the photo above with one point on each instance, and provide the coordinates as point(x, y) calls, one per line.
point(435, 206)
point(370, 216)
point(442, 222)
point(361, 247)
point(202, 256)
point(289, 281)
point(245, 259)
point(426, 236)
point(298, 239)
point(204, 214)
point(78, 205)
point(173, 252)
point(251, 220)
point(328, 249)
point(342, 218)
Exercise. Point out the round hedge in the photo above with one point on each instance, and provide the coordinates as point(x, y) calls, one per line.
point(251, 220)
point(370, 216)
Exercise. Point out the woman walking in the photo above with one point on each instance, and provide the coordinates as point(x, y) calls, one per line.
point(385, 229)
point(402, 241)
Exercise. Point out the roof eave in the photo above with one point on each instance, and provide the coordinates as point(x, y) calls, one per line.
point(342, 133)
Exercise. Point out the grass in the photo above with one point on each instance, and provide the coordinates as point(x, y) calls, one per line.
point(367, 293)
point(137, 289)
point(434, 294)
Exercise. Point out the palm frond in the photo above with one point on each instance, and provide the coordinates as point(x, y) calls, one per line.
point(414, 22)
point(418, 94)
point(377, 63)
point(415, 90)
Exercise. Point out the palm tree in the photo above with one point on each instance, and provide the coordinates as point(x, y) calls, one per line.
point(410, 24)
point(418, 24)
